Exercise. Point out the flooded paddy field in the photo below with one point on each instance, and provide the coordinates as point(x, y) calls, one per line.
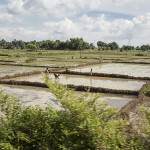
point(137, 70)
point(33, 96)
point(12, 70)
point(113, 100)
point(41, 96)
point(111, 83)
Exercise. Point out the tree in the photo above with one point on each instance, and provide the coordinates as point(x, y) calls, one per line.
point(76, 43)
point(31, 47)
point(3, 43)
point(92, 46)
point(127, 47)
point(101, 45)
point(113, 46)
point(145, 47)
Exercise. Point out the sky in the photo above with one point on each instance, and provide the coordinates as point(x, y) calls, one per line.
point(123, 21)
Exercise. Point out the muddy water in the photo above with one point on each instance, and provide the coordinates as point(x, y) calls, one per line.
point(12, 70)
point(118, 68)
point(112, 83)
point(41, 96)
point(118, 102)
point(33, 96)
point(113, 100)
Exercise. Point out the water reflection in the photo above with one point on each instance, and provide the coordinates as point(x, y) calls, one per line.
point(112, 83)
point(136, 70)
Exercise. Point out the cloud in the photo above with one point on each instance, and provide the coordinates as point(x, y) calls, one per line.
point(63, 19)
point(15, 7)
point(62, 29)
point(64, 8)
point(7, 18)
point(130, 7)
point(6, 33)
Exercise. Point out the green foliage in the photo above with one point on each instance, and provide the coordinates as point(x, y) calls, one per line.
point(146, 125)
point(139, 54)
point(5, 54)
point(83, 124)
point(146, 112)
point(147, 91)
point(91, 123)
point(31, 47)
point(17, 55)
point(29, 60)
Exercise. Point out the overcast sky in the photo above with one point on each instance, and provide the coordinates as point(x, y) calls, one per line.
point(94, 20)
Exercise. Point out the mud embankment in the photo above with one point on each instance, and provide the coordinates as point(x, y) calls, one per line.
point(132, 104)
point(20, 74)
point(105, 75)
point(75, 87)
point(130, 62)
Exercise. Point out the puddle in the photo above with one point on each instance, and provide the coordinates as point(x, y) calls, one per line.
point(111, 83)
point(136, 70)
point(12, 70)
point(33, 96)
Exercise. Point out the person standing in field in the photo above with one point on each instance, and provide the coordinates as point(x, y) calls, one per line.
point(91, 72)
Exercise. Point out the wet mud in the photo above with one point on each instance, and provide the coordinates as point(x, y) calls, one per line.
point(33, 96)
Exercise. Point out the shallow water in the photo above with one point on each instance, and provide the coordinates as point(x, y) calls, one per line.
point(111, 83)
point(33, 96)
point(113, 100)
point(40, 96)
point(12, 70)
point(136, 70)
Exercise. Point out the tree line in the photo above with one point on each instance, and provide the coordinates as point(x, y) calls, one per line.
point(71, 44)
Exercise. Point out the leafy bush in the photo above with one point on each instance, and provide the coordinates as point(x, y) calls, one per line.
point(139, 54)
point(84, 124)
point(29, 60)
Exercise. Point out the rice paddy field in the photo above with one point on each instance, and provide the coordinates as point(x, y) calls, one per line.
point(14, 62)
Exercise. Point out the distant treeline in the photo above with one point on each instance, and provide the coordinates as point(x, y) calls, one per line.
point(72, 44)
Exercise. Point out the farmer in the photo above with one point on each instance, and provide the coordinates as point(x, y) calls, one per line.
point(47, 71)
point(56, 75)
point(91, 72)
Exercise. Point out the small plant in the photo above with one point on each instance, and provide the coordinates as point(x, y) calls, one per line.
point(17, 55)
point(29, 60)
point(147, 91)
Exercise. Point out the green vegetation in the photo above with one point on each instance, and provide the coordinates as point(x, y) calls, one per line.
point(146, 124)
point(31, 47)
point(147, 91)
point(71, 44)
point(139, 54)
point(84, 123)
point(5, 54)
point(29, 60)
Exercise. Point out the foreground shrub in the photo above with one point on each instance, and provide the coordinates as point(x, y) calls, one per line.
point(84, 123)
